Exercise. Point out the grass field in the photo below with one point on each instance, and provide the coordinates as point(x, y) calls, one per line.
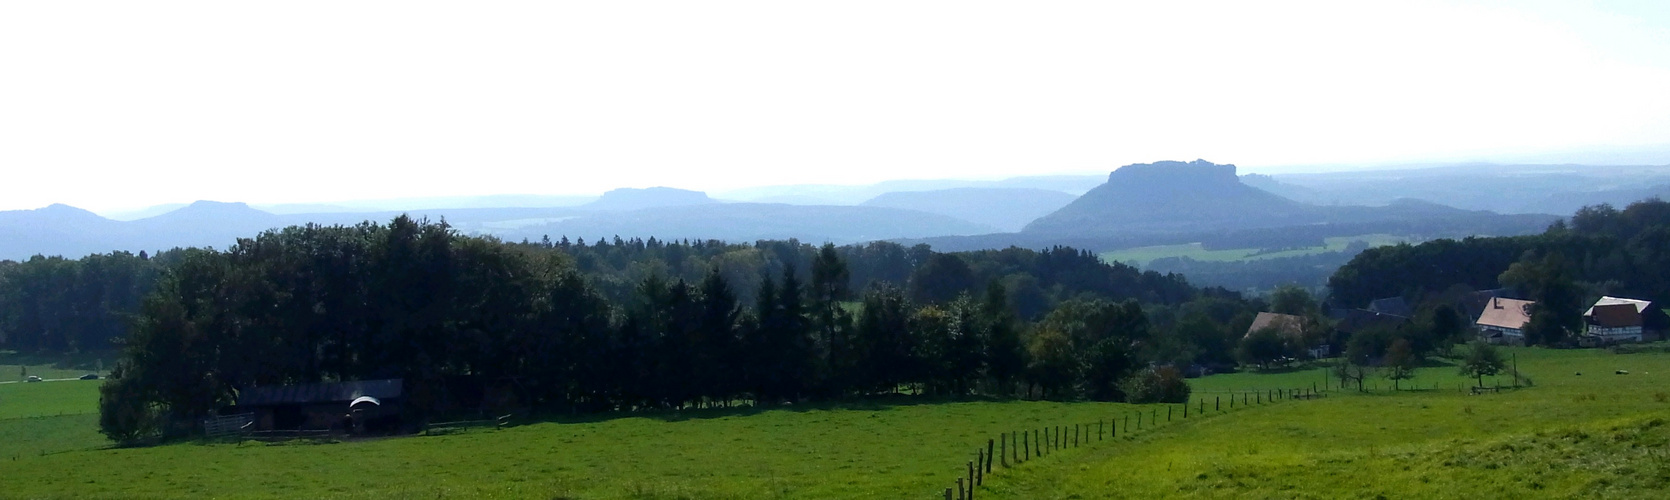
point(1143, 255)
point(1598, 434)
point(1595, 434)
point(868, 451)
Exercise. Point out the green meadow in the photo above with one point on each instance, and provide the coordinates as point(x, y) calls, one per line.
point(1598, 434)
point(1141, 256)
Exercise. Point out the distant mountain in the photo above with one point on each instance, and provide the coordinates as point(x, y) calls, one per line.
point(212, 213)
point(655, 197)
point(1007, 209)
point(144, 213)
point(1201, 202)
point(1171, 197)
point(58, 226)
point(829, 194)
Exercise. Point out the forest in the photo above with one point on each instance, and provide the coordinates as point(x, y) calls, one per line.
point(472, 323)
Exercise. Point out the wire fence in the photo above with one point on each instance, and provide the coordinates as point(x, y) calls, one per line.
point(1015, 448)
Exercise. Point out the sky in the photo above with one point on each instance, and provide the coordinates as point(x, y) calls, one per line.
point(120, 105)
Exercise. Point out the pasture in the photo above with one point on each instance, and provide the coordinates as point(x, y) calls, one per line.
point(1595, 434)
point(1598, 434)
point(1141, 256)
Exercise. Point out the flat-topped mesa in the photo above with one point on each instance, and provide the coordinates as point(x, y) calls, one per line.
point(1169, 172)
point(1172, 196)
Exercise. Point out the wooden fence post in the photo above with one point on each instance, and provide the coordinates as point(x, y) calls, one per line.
point(988, 456)
point(1217, 403)
point(948, 494)
point(1168, 413)
point(1026, 445)
point(980, 468)
point(960, 489)
point(971, 481)
point(1139, 420)
point(1075, 435)
point(1185, 409)
point(1128, 423)
point(1100, 431)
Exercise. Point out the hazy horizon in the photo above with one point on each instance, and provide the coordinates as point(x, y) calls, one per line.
point(737, 194)
point(128, 106)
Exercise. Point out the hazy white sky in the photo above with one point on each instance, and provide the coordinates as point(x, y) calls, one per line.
point(113, 105)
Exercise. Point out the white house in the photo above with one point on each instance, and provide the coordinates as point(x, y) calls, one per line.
point(1615, 319)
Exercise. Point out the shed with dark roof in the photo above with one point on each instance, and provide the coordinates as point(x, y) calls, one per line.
point(349, 405)
point(1394, 306)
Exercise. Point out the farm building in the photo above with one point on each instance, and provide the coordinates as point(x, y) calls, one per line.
point(1285, 324)
point(1503, 321)
point(1394, 306)
point(346, 406)
point(1473, 304)
point(1615, 319)
point(1357, 320)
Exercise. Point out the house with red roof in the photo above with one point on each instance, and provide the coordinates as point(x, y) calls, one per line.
point(1503, 321)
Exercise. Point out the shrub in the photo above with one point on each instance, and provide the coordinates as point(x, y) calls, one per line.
point(1164, 384)
point(126, 414)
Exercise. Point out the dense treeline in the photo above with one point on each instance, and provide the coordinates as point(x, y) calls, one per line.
point(1600, 250)
point(58, 305)
point(472, 323)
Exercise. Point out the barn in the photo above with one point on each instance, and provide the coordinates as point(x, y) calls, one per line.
point(351, 406)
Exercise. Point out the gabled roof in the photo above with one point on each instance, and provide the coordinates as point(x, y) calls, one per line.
point(1474, 303)
point(1285, 324)
point(1506, 313)
point(328, 392)
point(1614, 315)
point(1395, 306)
point(1640, 305)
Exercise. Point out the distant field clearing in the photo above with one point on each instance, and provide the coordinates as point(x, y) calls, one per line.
point(1141, 256)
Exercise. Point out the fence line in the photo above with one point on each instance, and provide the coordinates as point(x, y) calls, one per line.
point(1014, 448)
